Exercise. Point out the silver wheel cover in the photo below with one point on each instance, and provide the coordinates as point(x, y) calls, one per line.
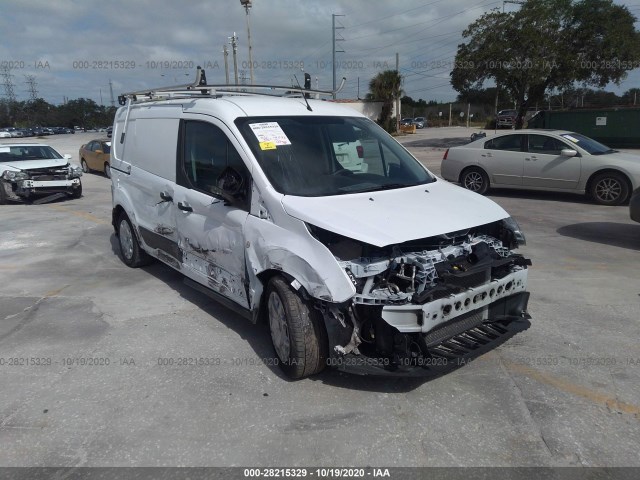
point(278, 326)
point(126, 239)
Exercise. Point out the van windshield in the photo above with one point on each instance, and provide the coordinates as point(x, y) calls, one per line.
point(320, 156)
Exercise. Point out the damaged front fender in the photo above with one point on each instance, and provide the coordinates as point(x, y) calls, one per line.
point(270, 247)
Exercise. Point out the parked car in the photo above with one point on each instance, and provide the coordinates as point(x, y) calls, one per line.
point(406, 121)
point(109, 130)
point(41, 132)
point(420, 122)
point(5, 134)
point(634, 205)
point(555, 160)
point(95, 156)
point(30, 170)
point(506, 118)
point(373, 268)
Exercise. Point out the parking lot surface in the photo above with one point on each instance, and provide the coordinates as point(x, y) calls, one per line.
point(103, 365)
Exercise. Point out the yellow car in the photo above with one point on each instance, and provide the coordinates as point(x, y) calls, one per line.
point(95, 156)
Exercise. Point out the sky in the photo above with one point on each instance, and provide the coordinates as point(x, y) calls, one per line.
point(86, 48)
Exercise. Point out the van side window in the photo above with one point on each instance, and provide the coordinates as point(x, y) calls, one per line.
point(206, 153)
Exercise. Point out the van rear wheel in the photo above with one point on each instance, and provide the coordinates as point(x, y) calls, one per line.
point(297, 330)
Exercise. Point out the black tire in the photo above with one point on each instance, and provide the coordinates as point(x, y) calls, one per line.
point(297, 331)
point(132, 255)
point(609, 188)
point(85, 167)
point(3, 195)
point(475, 179)
point(107, 170)
point(76, 193)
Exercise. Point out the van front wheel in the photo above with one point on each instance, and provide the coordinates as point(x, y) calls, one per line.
point(297, 331)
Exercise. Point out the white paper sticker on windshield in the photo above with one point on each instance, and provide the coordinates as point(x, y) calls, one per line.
point(269, 135)
point(5, 150)
point(569, 137)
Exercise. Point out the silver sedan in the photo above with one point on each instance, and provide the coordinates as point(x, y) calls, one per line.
point(554, 160)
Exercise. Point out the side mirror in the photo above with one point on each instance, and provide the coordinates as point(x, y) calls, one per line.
point(228, 186)
point(567, 152)
point(99, 151)
point(230, 181)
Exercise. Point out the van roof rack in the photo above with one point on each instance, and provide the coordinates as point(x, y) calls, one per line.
point(200, 87)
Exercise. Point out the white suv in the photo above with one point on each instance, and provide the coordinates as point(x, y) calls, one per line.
point(307, 214)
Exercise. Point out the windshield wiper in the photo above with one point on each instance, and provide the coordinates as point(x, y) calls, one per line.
point(388, 186)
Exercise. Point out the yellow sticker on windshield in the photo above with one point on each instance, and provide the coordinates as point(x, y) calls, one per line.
point(267, 145)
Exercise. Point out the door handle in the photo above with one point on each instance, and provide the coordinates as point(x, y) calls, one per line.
point(185, 207)
point(166, 197)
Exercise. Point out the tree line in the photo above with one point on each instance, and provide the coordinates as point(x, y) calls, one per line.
point(81, 112)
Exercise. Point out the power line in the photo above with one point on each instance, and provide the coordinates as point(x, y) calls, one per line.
point(395, 15)
point(437, 20)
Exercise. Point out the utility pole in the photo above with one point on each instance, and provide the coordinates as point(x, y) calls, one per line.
point(333, 50)
point(398, 96)
point(7, 83)
point(113, 103)
point(449, 114)
point(495, 121)
point(226, 63)
point(32, 87)
point(234, 46)
point(468, 112)
point(247, 5)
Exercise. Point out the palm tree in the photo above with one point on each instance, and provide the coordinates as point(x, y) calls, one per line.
point(385, 87)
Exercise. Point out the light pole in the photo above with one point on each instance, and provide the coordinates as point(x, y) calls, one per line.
point(247, 6)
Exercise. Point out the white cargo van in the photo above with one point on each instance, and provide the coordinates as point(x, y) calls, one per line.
point(306, 214)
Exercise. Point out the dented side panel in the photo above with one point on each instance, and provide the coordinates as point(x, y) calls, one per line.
point(211, 239)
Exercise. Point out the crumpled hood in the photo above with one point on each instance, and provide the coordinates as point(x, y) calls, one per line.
point(33, 164)
point(395, 216)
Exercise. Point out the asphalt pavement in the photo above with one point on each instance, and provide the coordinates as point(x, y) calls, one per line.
point(103, 365)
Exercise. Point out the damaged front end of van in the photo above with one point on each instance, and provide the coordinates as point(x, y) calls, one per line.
point(422, 305)
point(429, 303)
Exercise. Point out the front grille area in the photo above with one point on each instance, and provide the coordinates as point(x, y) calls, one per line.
point(454, 327)
point(45, 174)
